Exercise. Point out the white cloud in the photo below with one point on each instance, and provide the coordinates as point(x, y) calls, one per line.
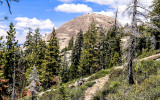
point(65, 0)
point(3, 26)
point(107, 13)
point(24, 22)
point(73, 8)
point(3, 33)
point(102, 2)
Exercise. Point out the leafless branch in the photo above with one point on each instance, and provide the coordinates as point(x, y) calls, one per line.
point(151, 25)
point(1, 2)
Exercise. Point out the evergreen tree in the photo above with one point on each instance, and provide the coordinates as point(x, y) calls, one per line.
point(41, 49)
point(3, 81)
point(155, 18)
point(29, 53)
point(28, 44)
point(52, 60)
point(90, 38)
point(76, 54)
point(112, 48)
point(100, 48)
point(3, 85)
point(11, 45)
point(36, 39)
point(64, 72)
point(156, 12)
point(31, 57)
point(1, 51)
point(35, 52)
point(84, 64)
point(70, 44)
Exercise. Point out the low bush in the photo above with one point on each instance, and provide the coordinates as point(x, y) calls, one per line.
point(90, 84)
point(77, 93)
point(146, 53)
point(99, 74)
point(146, 72)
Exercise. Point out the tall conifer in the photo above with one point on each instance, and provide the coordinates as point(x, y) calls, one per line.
point(11, 45)
point(52, 60)
point(76, 54)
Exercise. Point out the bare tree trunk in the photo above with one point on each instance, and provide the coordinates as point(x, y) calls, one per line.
point(131, 57)
point(134, 31)
point(115, 23)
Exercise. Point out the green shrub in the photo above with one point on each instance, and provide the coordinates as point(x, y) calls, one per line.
point(117, 88)
point(90, 84)
point(99, 74)
point(109, 88)
point(145, 68)
point(146, 53)
point(77, 92)
point(115, 73)
point(52, 95)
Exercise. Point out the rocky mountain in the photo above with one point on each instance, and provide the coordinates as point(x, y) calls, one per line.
point(72, 27)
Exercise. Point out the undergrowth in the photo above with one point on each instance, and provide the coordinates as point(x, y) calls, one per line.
point(99, 74)
point(146, 87)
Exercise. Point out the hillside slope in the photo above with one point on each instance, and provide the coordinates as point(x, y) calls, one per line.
point(72, 27)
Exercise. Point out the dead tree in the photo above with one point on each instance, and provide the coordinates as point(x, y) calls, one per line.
point(9, 7)
point(115, 22)
point(34, 85)
point(133, 11)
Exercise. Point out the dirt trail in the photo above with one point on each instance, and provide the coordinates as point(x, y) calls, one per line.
point(90, 92)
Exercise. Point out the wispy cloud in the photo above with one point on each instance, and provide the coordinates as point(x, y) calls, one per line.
point(65, 0)
point(73, 8)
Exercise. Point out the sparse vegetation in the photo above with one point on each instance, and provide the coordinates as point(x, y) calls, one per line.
point(147, 83)
point(90, 84)
point(99, 74)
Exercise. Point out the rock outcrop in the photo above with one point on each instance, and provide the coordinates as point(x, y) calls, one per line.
point(72, 27)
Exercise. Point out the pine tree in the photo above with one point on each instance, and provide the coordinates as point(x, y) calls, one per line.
point(101, 48)
point(36, 39)
point(155, 18)
point(70, 44)
point(3, 81)
point(29, 53)
point(156, 12)
point(64, 70)
point(1, 51)
point(76, 54)
point(3, 85)
point(28, 44)
point(11, 45)
point(41, 49)
point(112, 48)
point(52, 60)
point(84, 64)
point(90, 38)
point(35, 52)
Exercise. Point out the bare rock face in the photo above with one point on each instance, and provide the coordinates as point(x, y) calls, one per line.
point(71, 28)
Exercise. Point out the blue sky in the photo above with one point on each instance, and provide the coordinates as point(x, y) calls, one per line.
point(47, 14)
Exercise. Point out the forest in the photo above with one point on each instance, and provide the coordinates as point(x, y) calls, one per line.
point(37, 66)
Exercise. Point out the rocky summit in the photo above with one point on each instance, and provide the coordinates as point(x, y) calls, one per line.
point(72, 27)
